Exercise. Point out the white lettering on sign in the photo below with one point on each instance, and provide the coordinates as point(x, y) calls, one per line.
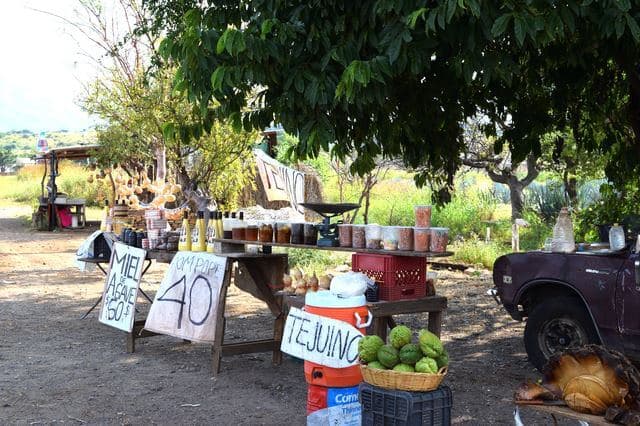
point(325, 341)
point(186, 304)
point(121, 287)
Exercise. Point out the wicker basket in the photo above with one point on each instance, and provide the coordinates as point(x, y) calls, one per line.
point(397, 380)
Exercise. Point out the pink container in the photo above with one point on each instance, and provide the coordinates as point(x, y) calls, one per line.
point(439, 239)
point(423, 216)
point(421, 239)
point(405, 238)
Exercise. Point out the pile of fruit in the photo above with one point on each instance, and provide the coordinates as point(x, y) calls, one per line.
point(401, 354)
point(297, 283)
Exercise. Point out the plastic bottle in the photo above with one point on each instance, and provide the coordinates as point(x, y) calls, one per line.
point(199, 234)
point(105, 215)
point(563, 239)
point(616, 237)
point(227, 223)
point(212, 230)
point(219, 226)
point(184, 244)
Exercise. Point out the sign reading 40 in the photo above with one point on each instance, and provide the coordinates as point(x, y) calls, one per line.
point(186, 302)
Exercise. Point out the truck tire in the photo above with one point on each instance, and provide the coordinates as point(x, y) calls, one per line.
point(554, 325)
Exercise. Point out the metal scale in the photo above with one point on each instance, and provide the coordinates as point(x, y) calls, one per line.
point(329, 231)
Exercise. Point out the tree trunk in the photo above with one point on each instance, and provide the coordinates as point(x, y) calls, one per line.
point(517, 200)
point(571, 188)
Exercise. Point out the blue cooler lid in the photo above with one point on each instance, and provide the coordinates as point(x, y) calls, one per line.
point(324, 299)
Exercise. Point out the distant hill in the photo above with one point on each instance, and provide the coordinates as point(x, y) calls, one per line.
point(23, 142)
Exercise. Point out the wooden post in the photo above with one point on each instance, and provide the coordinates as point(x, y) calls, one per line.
point(515, 238)
point(487, 237)
point(216, 348)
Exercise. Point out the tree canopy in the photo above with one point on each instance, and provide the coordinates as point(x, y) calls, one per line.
point(399, 78)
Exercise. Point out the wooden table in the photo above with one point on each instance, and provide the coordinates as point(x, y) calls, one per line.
point(383, 311)
point(256, 274)
point(260, 274)
point(564, 411)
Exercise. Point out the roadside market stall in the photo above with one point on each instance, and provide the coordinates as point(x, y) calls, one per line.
point(56, 209)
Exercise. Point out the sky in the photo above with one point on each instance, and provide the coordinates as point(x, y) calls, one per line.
point(41, 68)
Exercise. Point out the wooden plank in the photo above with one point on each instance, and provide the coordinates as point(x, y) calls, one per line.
point(347, 249)
point(266, 345)
point(569, 413)
point(218, 341)
point(426, 304)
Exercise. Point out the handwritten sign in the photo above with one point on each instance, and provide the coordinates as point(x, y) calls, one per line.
point(325, 341)
point(280, 182)
point(186, 303)
point(121, 287)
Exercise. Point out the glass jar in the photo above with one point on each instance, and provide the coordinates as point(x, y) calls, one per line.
point(390, 237)
point(405, 238)
point(358, 239)
point(251, 233)
point(310, 234)
point(421, 239)
point(297, 233)
point(283, 233)
point(238, 233)
point(265, 233)
point(439, 239)
point(423, 216)
point(373, 235)
point(344, 234)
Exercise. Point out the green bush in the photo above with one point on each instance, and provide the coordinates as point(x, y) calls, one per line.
point(318, 261)
point(477, 252)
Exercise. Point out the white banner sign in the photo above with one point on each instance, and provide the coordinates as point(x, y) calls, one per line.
point(280, 182)
point(325, 341)
point(121, 287)
point(186, 303)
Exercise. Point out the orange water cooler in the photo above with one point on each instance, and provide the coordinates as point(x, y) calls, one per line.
point(352, 310)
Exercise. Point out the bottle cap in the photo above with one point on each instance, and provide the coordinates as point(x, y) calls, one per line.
point(233, 215)
point(185, 214)
point(200, 214)
point(211, 214)
point(241, 215)
point(615, 224)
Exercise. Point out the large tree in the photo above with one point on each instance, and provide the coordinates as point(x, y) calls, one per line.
point(398, 79)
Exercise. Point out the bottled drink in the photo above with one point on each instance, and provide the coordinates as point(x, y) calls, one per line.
point(211, 230)
point(198, 239)
point(563, 239)
point(184, 244)
point(616, 237)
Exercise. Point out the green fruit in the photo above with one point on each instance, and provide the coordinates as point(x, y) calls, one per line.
point(427, 365)
point(368, 348)
point(430, 344)
point(399, 336)
point(442, 360)
point(406, 368)
point(388, 356)
point(376, 365)
point(410, 354)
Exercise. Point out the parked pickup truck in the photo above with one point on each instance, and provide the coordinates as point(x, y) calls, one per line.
point(571, 299)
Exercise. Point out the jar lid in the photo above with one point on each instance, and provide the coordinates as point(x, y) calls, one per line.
point(325, 299)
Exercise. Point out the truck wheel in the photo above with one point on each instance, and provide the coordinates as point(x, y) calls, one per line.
point(555, 325)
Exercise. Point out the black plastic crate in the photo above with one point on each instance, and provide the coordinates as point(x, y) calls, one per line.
point(101, 249)
point(392, 407)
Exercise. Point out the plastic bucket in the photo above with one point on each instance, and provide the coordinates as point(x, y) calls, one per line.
point(352, 310)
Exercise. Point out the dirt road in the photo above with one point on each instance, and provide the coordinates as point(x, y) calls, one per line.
point(56, 368)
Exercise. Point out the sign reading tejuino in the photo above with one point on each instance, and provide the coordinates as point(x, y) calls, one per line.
point(121, 287)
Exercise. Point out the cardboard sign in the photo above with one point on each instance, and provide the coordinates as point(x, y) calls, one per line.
point(121, 287)
point(186, 304)
point(280, 182)
point(325, 341)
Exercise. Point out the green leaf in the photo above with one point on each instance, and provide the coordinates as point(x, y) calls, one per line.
point(394, 49)
point(633, 27)
point(519, 30)
point(500, 25)
point(266, 28)
point(451, 9)
point(217, 78)
point(474, 6)
point(168, 131)
point(222, 41)
point(413, 17)
point(431, 20)
point(619, 27)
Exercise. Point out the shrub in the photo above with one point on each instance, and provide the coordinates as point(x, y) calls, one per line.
point(477, 252)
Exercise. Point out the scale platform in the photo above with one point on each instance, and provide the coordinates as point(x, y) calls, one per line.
point(329, 231)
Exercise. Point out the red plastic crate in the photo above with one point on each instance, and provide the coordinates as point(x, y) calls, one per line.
point(399, 277)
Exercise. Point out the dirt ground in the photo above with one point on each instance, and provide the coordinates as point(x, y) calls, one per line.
point(56, 368)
